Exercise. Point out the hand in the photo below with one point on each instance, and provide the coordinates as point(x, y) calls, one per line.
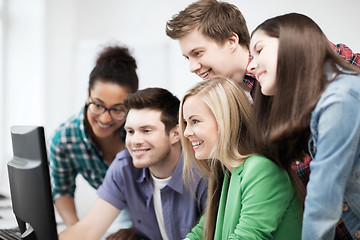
point(123, 234)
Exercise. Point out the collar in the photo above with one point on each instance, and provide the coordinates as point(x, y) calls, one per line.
point(176, 183)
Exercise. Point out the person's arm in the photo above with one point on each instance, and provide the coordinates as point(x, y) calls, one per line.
point(65, 205)
point(267, 194)
point(124, 234)
point(197, 232)
point(338, 130)
point(94, 225)
point(63, 177)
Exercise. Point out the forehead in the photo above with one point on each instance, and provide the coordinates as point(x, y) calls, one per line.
point(109, 93)
point(259, 36)
point(195, 105)
point(193, 40)
point(138, 118)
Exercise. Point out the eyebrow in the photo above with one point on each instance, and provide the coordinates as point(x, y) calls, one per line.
point(192, 116)
point(257, 43)
point(114, 105)
point(141, 127)
point(195, 49)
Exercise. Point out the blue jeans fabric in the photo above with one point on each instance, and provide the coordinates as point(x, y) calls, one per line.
point(333, 190)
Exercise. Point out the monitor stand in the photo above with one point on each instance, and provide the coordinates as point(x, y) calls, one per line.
point(27, 233)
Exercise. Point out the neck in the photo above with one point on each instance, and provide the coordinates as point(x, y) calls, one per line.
point(241, 63)
point(110, 146)
point(166, 167)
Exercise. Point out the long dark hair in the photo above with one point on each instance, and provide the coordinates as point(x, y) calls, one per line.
point(282, 122)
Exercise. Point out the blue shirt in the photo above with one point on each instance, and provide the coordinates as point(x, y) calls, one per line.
point(333, 190)
point(127, 186)
point(71, 152)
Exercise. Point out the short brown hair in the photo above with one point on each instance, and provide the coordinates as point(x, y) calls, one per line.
point(157, 99)
point(216, 20)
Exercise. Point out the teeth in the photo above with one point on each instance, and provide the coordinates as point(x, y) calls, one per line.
point(196, 143)
point(260, 76)
point(139, 151)
point(204, 75)
point(103, 126)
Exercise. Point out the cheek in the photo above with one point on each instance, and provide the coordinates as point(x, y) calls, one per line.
point(120, 123)
point(128, 140)
point(90, 118)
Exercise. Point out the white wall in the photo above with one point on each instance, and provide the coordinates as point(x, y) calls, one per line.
point(50, 47)
point(22, 79)
point(77, 29)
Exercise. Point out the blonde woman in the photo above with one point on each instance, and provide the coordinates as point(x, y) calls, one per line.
point(249, 196)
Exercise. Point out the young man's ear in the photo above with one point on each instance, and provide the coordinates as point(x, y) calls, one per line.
point(174, 134)
point(233, 41)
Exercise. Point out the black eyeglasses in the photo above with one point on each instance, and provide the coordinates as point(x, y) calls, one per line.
point(115, 113)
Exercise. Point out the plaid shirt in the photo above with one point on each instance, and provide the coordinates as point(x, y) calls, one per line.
point(302, 169)
point(72, 152)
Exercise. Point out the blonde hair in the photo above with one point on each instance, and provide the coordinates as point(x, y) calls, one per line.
point(232, 111)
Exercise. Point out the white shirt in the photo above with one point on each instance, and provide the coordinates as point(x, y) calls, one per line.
point(158, 185)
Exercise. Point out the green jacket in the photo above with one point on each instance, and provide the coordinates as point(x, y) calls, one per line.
point(258, 201)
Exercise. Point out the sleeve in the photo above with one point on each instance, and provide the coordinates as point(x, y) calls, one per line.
point(337, 123)
point(202, 194)
point(347, 54)
point(62, 172)
point(197, 232)
point(266, 195)
point(112, 189)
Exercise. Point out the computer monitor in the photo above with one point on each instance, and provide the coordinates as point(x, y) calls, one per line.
point(30, 187)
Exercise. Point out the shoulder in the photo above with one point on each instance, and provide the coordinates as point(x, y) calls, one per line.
point(344, 83)
point(123, 164)
point(343, 91)
point(256, 163)
point(259, 168)
point(260, 174)
point(122, 158)
point(68, 131)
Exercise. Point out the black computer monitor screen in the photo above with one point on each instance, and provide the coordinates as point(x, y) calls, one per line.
point(30, 187)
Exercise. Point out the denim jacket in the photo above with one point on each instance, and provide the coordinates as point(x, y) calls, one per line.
point(333, 190)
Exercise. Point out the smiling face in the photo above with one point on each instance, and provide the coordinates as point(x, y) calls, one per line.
point(147, 140)
point(264, 50)
point(201, 126)
point(209, 59)
point(109, 95)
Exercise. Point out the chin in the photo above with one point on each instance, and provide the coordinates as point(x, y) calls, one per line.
point(102, 134)
point(139, 163)
point(201, 157)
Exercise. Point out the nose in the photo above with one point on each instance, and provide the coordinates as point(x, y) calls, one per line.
point(136, 139)
point(188, 132)
point(105, 117)
point(252, 66)
point(194, 65)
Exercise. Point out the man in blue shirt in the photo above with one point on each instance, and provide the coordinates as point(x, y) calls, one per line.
point(146, 178)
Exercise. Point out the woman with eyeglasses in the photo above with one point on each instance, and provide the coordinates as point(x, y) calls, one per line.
point(87, 143)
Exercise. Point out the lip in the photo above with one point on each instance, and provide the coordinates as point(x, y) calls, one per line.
point(103, 126)
point(196, 144)
point(204, 75)
point(139, 152)
point(259, 75)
